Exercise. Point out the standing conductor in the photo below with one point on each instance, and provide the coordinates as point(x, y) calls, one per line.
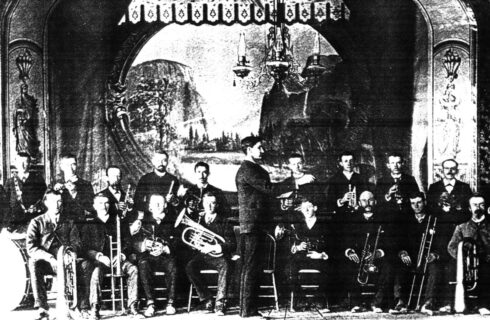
point(254, 195)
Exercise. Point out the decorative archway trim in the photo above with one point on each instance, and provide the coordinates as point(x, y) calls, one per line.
point(235, 11)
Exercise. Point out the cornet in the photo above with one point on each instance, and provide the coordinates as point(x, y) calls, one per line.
point(197, 236)
point(352, 197)
point(174, 201)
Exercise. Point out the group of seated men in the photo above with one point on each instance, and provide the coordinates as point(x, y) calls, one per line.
point(325, 226)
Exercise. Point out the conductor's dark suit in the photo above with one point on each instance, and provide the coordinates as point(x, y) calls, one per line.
point(254, 196)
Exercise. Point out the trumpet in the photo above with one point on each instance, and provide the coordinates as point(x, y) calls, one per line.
point(154, 245)
point(422, 260)
point(174, 201)
point(352, 196)
point(128, 201)
point(197, 236)
point(366, 264)
point(467, 272)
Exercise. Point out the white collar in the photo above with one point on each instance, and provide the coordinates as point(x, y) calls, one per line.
point(420, 217)
point(158, 173)
point(348, 175)
point(397, 176)
point(310, 222)
point(478, 220)
point(114, 191)
point(209, 217)
point(368, 216)
point(202, 186)
point(451, 182)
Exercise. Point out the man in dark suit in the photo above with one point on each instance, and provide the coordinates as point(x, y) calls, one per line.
point(345, 180)
point(77, 193)
point(45, 236)
point(215, 222)
point(159, 181)
point(397, 186)
point(96, 249)
point(195, 193)
point(254, 199)
point(24, 192)
point(459, 192)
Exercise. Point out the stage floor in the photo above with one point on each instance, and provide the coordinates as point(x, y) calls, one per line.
point(233, 315)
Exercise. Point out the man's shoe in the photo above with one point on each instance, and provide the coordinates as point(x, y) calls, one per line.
point(150, 311)
point(446, 309)
point(133, 310)
point(85, 314)
point(356, 309)
point(399, 307)
point(427, 309)
point(209, 306)
point(94, 314)
point(170, 309)
point(42, 314)
point(484, 311)
point(377, 309)
point(219, 310)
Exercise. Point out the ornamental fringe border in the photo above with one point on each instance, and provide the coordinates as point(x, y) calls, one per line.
point(234, 11)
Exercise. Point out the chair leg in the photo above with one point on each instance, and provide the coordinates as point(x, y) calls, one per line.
point(276, 298)
point(189, 301)
point(291, 302)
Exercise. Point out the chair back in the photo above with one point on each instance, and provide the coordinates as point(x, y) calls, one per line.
point(270, 252)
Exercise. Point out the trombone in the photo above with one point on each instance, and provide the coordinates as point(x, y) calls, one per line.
point(422, 261)
point(366, 264)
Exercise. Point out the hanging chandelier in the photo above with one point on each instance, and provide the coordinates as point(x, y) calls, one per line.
point(278, 62)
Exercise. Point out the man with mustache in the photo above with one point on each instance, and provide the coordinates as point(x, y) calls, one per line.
point(458, 191)
point(368, 220)
point(159, 181)
point(478, 230)
point(77, 193)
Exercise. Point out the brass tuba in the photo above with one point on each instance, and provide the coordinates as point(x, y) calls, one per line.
point(196, 236)
point(467, 272)
point(366, 263)
point(67, 297)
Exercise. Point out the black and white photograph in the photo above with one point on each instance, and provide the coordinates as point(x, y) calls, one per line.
point(262, 159)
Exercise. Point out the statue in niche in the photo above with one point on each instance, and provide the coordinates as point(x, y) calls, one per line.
point(26, 122)
point(451, 124)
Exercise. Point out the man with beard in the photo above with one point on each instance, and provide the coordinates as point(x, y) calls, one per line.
point(45, 236)
point(24, 193)
point(159, 181)
point(414, 226)
point(458, 191)
point(396, 187)
point(369, 223)
point(195, 193)
point(97, 250)
point(77, 193)
point(477, 230)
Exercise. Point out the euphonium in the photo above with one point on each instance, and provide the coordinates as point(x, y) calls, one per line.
point(366, 264)
point(467, 272)
point(196, 236)
point(67, 298)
